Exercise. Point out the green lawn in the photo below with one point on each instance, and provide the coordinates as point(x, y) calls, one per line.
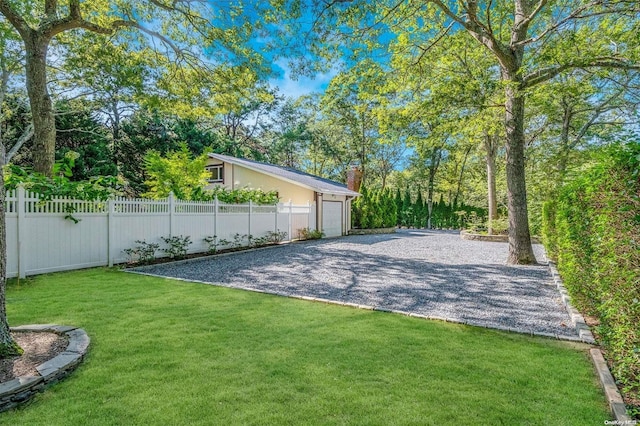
point(167, 352)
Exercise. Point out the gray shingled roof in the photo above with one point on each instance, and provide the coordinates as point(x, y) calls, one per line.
point(316, 183)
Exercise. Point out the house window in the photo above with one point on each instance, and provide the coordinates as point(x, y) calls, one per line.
point(216, 173)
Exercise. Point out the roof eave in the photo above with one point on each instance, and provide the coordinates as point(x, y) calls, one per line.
point(255, 169)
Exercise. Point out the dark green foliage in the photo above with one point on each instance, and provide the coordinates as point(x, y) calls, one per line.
point(594, 226)
point(420, 212)
point(79, 131)
point(146, 130)
point(374, 209)
point(406, 214)
point(398, 204)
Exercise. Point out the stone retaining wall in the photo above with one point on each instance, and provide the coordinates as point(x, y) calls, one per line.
point(466, 235)
point(22, 389)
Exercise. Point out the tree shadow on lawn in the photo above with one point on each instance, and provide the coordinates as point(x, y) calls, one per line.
point(490, 295)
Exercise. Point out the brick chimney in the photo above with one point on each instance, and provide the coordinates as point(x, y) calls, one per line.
point(354, 178)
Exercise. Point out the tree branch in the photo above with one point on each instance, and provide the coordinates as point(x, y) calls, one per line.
point(527, 20)
point(478, 31)
point(436, 41)
point(576, 13)
point(16, 20)
point(546, 74)
point(26, 135)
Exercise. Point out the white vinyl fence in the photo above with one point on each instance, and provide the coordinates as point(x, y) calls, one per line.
point(63, 234)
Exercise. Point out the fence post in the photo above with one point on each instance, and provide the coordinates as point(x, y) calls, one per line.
point(250, 212)
point(110, 230)
point(308, 214)
point(215, 219)
point(172, 207)
point(275, 228)
point(290, 220)
point(22, 229)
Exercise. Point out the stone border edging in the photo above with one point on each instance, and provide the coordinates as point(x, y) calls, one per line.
point(22, 389)
point(611, 392)
point(576, 317)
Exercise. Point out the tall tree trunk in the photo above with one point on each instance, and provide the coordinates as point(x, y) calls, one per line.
point(44, 125)
point(520, 249)
point(436, 156)
point(491, 148)
point(459, 185)
point(563, 156)
point(8, 346)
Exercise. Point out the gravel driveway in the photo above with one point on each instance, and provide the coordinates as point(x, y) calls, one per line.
point(431, 273)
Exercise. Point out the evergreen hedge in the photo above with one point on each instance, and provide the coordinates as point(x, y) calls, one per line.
point(374, 209)
point(592, 227)
point(381, 209)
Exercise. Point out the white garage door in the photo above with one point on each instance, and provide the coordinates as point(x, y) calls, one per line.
point(332, 218)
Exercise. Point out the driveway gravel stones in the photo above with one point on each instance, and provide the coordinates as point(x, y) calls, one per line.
point(428, 273)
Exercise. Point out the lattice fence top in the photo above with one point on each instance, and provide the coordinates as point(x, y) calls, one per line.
point(35, 203)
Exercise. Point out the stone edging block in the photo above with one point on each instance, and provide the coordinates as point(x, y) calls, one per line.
point(22, 389)
point(614, 398)
point(616, 404)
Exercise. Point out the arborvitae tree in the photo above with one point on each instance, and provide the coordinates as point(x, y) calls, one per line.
point(391, 217)
point(398, 206)
point(407, 209)
point(357, 208)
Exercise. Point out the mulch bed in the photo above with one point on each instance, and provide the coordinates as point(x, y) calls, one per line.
point(38, 347)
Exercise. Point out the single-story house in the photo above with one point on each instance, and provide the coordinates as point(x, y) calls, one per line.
point(332, 199)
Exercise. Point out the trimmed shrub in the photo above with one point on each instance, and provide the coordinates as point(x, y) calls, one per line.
point(594, 228)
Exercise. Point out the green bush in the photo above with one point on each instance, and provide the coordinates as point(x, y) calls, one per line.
point(549, 231)
point(594, 227)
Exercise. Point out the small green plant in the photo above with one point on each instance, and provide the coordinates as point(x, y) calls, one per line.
point(308, 234)
point(177, 246)
point(213, 243)
point(238, 240)
point(257, 241)
point(143, 253)
point(499, 226)
point(275, 237)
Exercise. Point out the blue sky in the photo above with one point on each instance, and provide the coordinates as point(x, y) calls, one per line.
point(302, 85)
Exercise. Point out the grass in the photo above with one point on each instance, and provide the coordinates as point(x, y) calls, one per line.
point(176, 353)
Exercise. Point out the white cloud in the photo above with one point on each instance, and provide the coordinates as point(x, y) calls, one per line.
point(303, 85)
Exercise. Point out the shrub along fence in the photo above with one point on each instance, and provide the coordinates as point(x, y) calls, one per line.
point(63, 234)
point(592, 228)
